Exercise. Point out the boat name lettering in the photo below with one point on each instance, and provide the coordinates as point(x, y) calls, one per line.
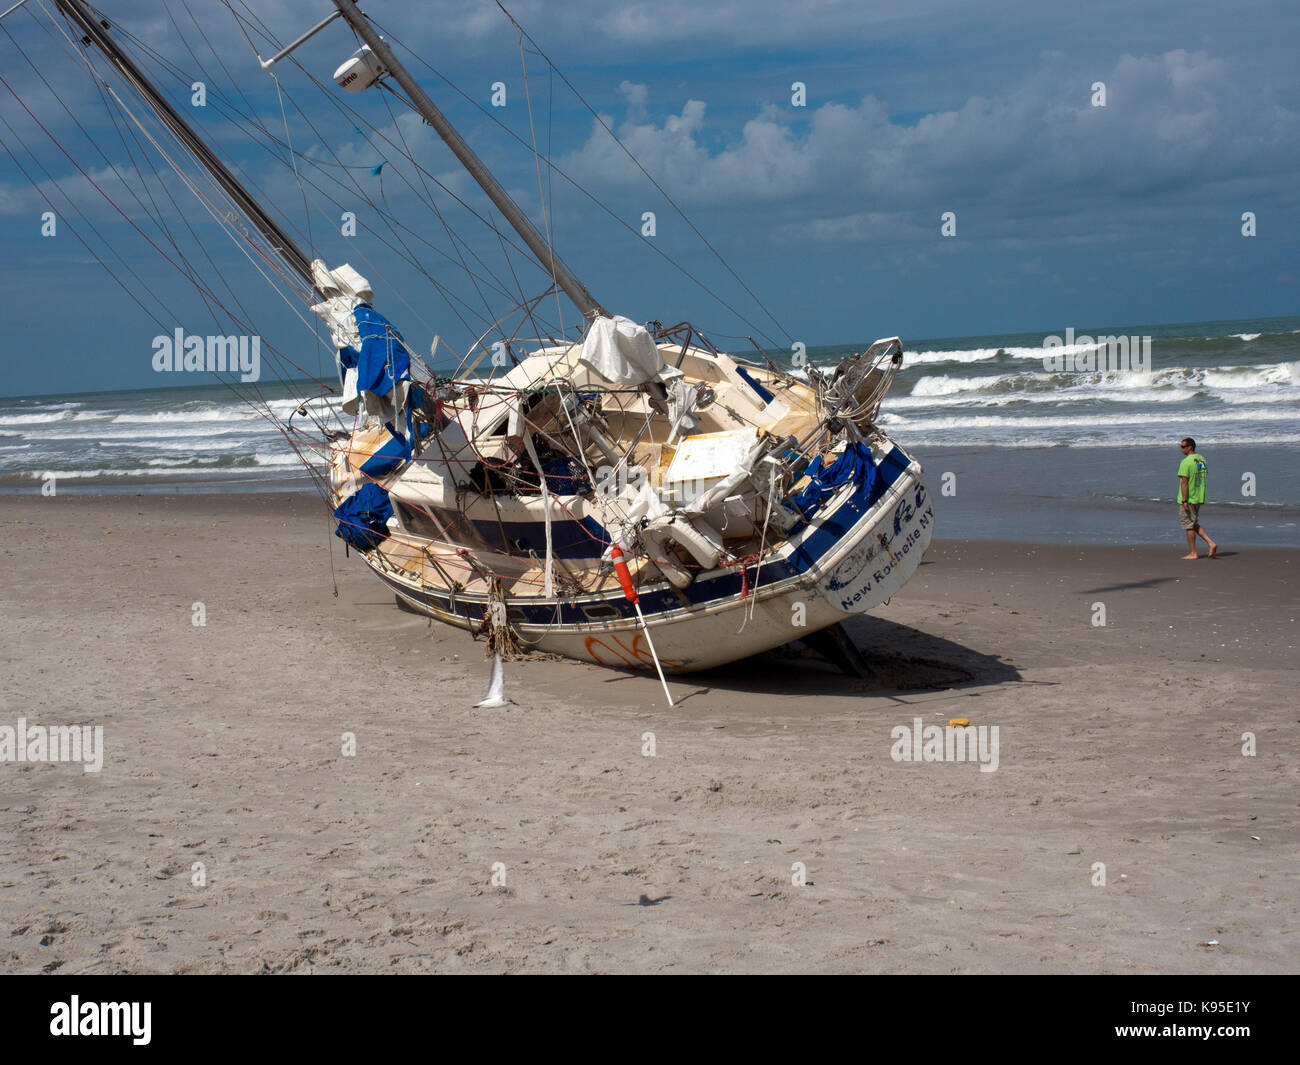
point(899, 550)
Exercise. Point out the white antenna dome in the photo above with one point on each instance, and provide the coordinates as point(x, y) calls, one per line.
point(360, 72)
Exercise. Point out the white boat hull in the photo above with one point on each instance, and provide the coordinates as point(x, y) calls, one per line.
point(861, 569)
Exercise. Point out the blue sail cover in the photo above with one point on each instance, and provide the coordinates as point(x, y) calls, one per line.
point(383, 359)
point(854, 464)
point(748, 378)
point(363, 517)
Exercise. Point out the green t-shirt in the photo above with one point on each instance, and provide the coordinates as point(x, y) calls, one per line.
point(1193, 468)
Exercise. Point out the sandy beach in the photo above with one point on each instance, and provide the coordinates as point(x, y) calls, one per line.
point(1119, 744)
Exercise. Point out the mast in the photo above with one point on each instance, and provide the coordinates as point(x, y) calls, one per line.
point(96, 31)
point(574, 288)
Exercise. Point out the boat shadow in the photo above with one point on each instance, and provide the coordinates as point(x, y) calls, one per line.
point(901, 659)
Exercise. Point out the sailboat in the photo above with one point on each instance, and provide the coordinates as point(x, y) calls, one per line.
point(633, 496)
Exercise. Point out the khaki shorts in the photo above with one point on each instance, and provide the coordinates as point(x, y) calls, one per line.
point(1187, 516)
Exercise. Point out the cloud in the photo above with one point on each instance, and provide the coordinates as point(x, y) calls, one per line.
point(1174, 126)
point(89, 195)
point(637, 97)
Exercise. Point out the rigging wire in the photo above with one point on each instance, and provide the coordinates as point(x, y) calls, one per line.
point(157, 217)
point(75, 211)
point(408, 256)
point(204, 292)
point(537, 159)
point(577, 186)
point(263, 137)
point(354, 115)
point(649, 177)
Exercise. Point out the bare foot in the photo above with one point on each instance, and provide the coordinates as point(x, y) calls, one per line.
point(1190, 558)
point(1213, 549)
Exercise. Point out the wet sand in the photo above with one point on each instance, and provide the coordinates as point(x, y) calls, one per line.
point(1118, 744)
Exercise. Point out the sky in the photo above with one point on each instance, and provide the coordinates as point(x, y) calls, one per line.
point(823, 209)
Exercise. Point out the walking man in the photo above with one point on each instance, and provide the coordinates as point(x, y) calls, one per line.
point(1191, 494)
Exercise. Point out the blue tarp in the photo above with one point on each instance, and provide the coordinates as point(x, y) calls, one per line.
point(383, 359)
point(854, 464)
point(363, 517)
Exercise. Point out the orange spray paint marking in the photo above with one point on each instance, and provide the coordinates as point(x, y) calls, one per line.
point(611, 650)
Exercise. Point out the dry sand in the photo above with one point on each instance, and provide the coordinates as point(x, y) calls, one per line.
point(1119, 744)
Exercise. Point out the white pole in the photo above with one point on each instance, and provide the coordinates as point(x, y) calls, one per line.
point(646, 629)
point(629, 593)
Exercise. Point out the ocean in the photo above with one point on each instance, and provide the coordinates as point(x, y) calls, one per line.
point(1012, 449)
